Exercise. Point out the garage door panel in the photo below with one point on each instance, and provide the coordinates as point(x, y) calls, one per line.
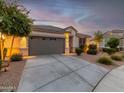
point(41, 45)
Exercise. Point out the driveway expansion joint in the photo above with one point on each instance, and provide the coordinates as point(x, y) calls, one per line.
point(62, 77)
point(74, 71)
point(71, 67)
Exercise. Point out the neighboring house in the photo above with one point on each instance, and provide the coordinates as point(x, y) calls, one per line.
point(48, 40)
point(114, 33)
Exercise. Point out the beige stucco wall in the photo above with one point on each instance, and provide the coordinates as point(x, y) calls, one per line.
point(19, 45)
point(75, 43)
point(122, 43)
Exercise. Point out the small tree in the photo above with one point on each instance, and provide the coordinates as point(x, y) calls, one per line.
point(2, 12)
point(98, 37)
point(113, 42)
point(15, 22)
point(2, 8)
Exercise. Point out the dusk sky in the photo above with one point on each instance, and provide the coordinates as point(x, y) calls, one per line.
point(87, 16)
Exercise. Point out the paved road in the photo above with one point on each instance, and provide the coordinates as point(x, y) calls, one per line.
point(113, 82)
point(59, 73)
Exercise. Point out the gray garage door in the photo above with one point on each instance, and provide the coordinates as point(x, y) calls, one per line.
point(45, 45)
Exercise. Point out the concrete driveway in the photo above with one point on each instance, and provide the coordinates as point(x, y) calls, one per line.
point(59, 73)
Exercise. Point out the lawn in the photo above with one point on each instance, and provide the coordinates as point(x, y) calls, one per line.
point(94, 58)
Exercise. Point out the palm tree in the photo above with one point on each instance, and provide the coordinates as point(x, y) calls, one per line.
point(98, 37)
point(15, 22)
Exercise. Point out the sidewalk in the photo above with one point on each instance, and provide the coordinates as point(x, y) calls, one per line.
point(113, 82)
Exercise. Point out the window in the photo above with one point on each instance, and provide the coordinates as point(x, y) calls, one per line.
point(43, 38)
point(52, 38)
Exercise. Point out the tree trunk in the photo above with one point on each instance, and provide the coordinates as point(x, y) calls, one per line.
point(1, 47)
point(98, 47)
point(11, 50)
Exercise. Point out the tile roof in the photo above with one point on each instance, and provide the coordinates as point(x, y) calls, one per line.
point(117, 31)
point(47, 29)
point(114, 31)
point(80, 35)
point(56, 30)
point(71, 27)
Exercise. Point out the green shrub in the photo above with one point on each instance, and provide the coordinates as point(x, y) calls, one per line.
point(92, 49)
point(113, 42)
point(110, 50)
point(81, 47)
point(104, 60)
point(117, 49)
point(104, 49)
point(92, 46)
point(92, 52)
point(116, 57)
point(123, 56)
point(78, 51)
point(16, 57)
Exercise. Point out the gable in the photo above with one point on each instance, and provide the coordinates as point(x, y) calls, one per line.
point(72, 30)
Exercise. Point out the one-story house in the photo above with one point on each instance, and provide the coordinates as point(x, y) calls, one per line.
point(114, 33)
point(47, 40)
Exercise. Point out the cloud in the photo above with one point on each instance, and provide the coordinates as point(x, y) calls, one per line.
point(85, 15)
